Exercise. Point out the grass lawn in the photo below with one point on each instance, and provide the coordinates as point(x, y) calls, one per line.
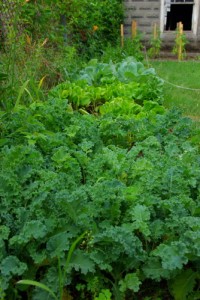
point(184, 74)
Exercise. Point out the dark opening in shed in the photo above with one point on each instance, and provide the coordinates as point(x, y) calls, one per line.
point(179, 13)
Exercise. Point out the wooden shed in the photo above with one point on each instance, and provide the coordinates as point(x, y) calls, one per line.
point(166, 14)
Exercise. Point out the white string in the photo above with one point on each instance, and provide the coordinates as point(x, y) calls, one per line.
point(170, 83)
point(180, 87)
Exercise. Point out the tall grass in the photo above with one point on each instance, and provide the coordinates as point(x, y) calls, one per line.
point(34, 67)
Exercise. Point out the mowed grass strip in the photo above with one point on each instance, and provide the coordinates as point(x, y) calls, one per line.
point(184, 74)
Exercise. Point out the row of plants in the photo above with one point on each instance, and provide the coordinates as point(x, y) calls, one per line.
point(179, 47)
point(99, 188)
point(105, 86)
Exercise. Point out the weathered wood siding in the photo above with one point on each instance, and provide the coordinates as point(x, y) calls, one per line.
point(144, 12)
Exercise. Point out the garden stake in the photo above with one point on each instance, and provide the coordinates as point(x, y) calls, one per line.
point(180, 33)
point(180, 42)
point(122, 35)
point(134, 29)
point(155, 33)
point(155, 42)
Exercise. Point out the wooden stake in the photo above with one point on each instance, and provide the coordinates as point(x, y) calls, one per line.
point(155, 31)
point(134, 29)
point(122, 35)
point(180, 33)
point(181, 28)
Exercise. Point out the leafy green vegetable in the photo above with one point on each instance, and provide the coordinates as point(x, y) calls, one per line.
point(104, 295)
point(128, 82)
point(183, 284)
point(131, 281)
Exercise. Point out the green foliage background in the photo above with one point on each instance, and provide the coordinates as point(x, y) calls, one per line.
point(72, 22)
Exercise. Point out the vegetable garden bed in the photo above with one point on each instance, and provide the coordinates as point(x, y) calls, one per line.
point(99, 188)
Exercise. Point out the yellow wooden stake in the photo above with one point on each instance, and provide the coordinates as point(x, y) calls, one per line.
point(122, 35)
point(180, 33)
point(155, 32)
point(134, 29)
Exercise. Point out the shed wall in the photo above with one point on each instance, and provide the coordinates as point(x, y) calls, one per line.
point(144, 12)
point(148, 12)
